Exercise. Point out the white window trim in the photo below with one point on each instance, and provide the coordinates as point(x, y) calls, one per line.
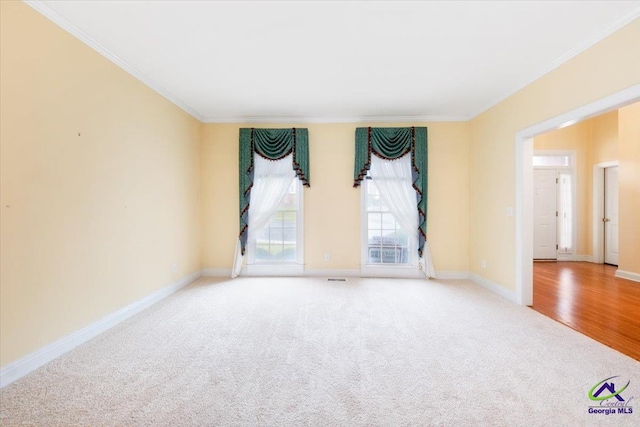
point(571, 170)
point(409, 270)
point(281, 268)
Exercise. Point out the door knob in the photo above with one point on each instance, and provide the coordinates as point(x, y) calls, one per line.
point(605, 220)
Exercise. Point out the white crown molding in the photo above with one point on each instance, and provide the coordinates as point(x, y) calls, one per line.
point(33, 361)
point(360, 119)
point(599, 36)
point(66, 25)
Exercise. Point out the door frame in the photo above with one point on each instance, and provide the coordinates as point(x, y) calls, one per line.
point(524, 179)
point(598, 206)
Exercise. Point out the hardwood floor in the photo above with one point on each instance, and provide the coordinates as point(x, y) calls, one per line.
point(590, 299)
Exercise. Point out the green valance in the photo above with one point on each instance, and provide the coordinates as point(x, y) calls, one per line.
point(272, 144)
point(390, 144)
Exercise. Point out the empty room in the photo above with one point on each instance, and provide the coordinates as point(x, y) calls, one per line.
point(454, 239)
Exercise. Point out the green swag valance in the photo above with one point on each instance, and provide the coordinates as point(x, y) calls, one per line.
point(272, 144)
point(390, 144)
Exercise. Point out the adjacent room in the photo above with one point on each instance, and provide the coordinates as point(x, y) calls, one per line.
point(582, 257)
point(319, 213)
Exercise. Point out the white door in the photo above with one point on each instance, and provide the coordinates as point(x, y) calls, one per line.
point(611, 215)
point(544, 214)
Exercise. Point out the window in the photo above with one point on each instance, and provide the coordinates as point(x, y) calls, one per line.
point(552, 160)
point(280, 242)
point(387, 243)
point(565, 213)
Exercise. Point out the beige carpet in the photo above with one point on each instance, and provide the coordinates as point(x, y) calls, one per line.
point(291, 352)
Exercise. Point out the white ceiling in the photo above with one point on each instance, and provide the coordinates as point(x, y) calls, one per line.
point(323, 61)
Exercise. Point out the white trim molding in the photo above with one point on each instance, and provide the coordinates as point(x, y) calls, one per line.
point(322, 272)
point(44, 355)
point(344, 272)
point(494, 287)
point(576, 258)
point(629, 275)
point(524, 179)
point(388, 272)
point(266, 270)
point(353, 119)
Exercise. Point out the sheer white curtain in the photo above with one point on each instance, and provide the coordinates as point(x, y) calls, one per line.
point(271, 180)
point(395, 184)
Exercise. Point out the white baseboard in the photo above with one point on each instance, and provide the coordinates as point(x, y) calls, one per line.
point(308, 272)
point(452, 275)
point(391, 272)
point(322, 272)
point(216, 272)
point(262, 270)
point(326, 272)
point(494, 287)
point(630, 275)
point(33, 361)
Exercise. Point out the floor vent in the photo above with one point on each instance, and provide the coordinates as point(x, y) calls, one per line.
point(336, 280)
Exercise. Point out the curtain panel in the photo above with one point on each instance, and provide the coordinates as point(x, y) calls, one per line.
point(391, 144)
point(271, 144)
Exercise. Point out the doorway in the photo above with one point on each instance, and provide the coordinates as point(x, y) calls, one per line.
point(524, 180)
point(554, 205)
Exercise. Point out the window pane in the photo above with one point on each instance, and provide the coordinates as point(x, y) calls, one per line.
point(288, 252)
point(388, 255)
point(373, 203)
point(565, 212)
point(388, 222)
point(550, 160)
point(375, 221)
point(375, 237)
point(290, 201)
point(289, 235)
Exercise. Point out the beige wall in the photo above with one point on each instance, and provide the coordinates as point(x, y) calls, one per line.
point(331, 205)
point(604, 138)
point(100, 185)
point(629, 188)
point(607, 67)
